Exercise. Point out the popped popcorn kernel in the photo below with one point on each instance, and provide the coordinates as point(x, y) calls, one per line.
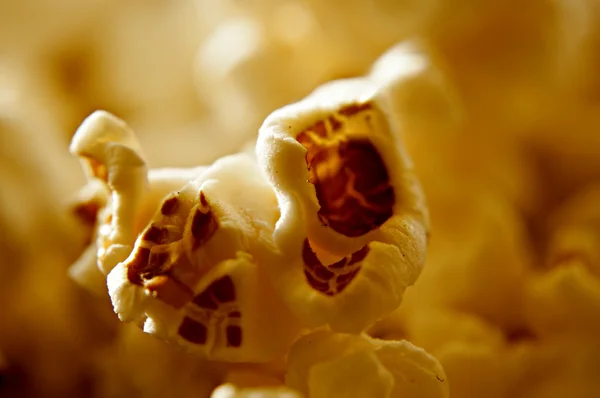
point(353, 225)
point(565, 302)
point(111, 156)
point(327, 364)
point(308, 264)
point(195, 275)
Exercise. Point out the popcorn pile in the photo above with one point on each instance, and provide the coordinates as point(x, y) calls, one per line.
point(307, 263)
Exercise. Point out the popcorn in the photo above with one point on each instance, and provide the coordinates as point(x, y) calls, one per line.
point(254, 47)
point(49, 322)
point(491, 255)
point(506, 76)
point(327, 364)
point(565, 301)
point(555, 368)
point(457, 326)
point(194, 274)
point(575, 231)
point(201, 255)
point(349, 204)
point(109, 153)
point(475, 369)
point(137, 364)
point(146, 75)
point(438, 131)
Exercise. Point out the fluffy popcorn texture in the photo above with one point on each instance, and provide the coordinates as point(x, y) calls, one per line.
point(498, 110)
point(557, 368)
point(325, 364)
point(575, 231)
point(136, 69)
point(565, 301)
point(502, 73)
point(110, 153)
point(225, 305)
point(489, 258)
point(338, 224)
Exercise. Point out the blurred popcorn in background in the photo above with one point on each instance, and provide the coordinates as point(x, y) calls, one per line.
point(419, 215)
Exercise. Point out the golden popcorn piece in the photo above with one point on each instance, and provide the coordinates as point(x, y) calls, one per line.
point(327, 364)
point(490, 256)
point(450, 152)
point(424, 328)
point(564, 298)
point(565, 301)
point(353, 224)
point(375, 380)
point(195, 274)
point(575, 231)
point(507, 77)
point(555, 367)
point(252, 375)
point(111, 155)
point(160, 369)
point(472, 352)
point(149, 85)
point(475, 369)
point(246, 60)
point(422, 96)
point(120, 196)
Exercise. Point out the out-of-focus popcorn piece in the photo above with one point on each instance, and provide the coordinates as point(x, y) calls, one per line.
point(326, 364)
point(245, 64)
point(146, 75)
point(504, 75)
point(475, 370)
point(418, 90)
point(246, 60)
point(254, 375)
point(554, 368)
point(564, 297)
point(137, 364)
point(193, 274)
point(52, 24)
point(231, 391)
point(46, 327)
point(424, 328)
point(473, 353)
point(353, 224)
point(566, 300)
point(93, 210)
point(490, 257)
point(451, 153)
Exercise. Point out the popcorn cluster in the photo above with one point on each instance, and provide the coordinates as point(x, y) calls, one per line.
point(306, 263)
point(324, 227)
